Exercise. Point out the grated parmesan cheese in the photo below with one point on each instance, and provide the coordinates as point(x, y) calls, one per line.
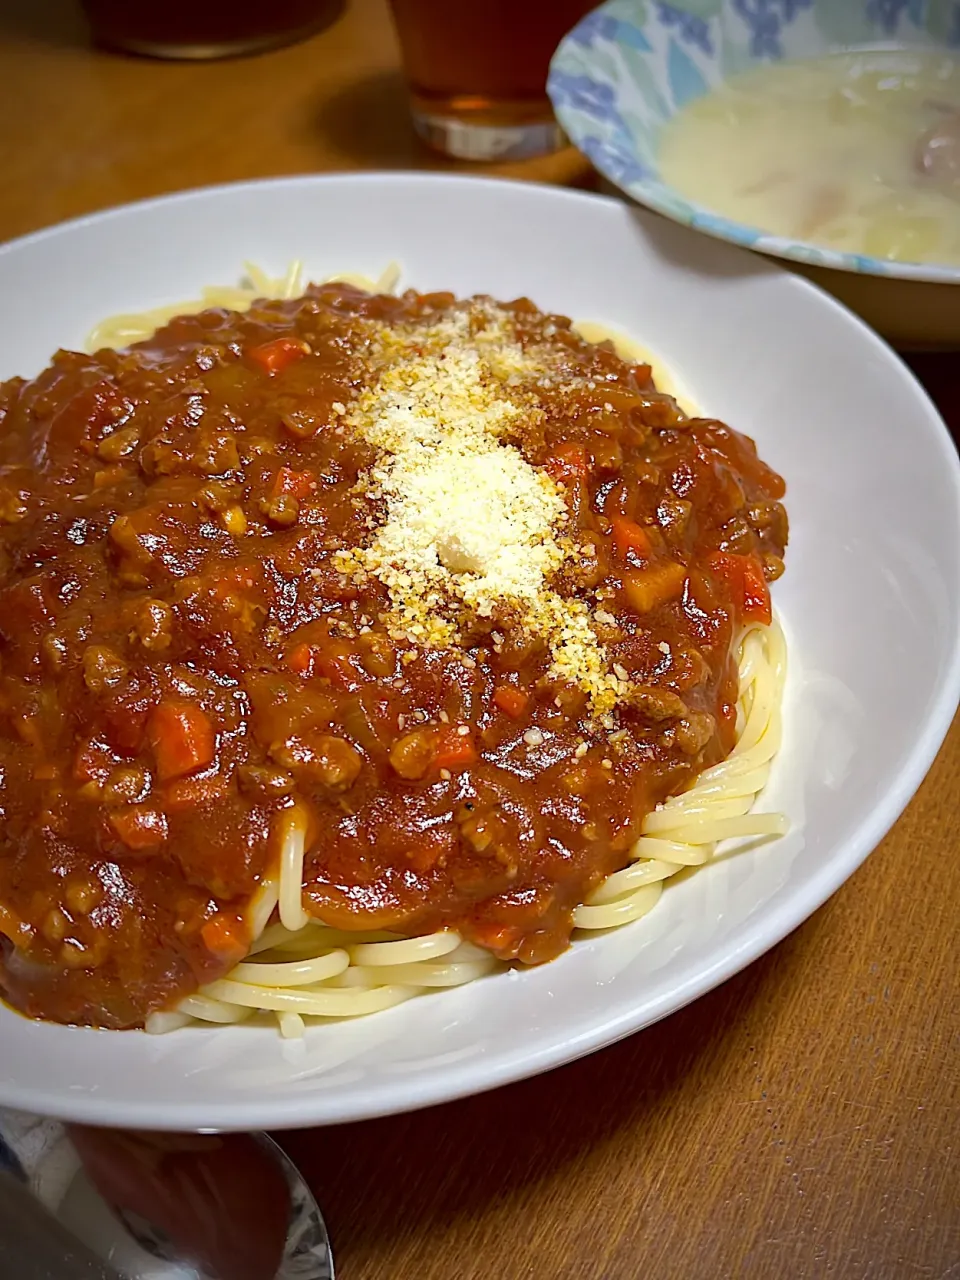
point(471, 528)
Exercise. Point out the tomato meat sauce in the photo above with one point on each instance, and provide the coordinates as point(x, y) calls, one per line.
point(204, 622)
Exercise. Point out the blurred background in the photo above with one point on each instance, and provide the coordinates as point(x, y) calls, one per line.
point(85, 127)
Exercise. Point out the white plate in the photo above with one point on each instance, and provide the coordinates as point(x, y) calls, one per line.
point(870, 601)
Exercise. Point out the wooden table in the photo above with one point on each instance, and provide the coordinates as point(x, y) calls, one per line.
point(801, 1121)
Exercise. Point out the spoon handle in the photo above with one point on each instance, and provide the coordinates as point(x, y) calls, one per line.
point(78, 1203)
point(34, 1245)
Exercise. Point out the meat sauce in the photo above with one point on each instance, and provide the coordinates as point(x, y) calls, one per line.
point(183, 657)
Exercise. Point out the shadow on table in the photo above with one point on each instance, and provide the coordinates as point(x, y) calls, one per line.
point(368, 123)
point(384, 1184)
point(940, 374)
point(54, 22)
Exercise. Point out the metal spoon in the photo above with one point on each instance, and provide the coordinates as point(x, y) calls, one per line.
point(105, 1204)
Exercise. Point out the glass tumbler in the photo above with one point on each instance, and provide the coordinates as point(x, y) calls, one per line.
point(477, 72)
point(210, 29)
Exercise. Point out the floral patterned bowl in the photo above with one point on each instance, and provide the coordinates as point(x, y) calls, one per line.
point(632, 64)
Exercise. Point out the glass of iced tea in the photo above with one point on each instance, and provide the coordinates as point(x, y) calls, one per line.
point(477, 71)
point(208, 29)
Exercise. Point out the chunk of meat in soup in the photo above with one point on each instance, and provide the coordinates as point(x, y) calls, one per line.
point(937, 153)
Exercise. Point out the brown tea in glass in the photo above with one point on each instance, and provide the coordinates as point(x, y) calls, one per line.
point(477, 71)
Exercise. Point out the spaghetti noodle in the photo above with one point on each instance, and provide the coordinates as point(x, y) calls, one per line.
point(119, 331)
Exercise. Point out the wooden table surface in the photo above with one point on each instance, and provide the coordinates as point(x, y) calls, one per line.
point(801, 1121)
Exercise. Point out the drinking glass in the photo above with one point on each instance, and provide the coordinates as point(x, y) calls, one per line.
point(204, 29)
point(477, 72)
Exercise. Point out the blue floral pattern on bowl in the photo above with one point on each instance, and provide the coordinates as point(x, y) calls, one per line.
point(632, 64)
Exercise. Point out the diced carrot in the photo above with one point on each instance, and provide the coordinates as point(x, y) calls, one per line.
point(299, 483)
point(501, 939)
point(631, 539)
point(225, 937)
point(338, 669)
point(275, 356)
point(728, 568)
point(182, 737)
point(300, 659)
point(139, 826)
point(226, 582)
point(511, 700)
point(454, 750)
point(568, 464)
point(748, 588)
point(645, 589)
point(756, 593)
point(93, 762)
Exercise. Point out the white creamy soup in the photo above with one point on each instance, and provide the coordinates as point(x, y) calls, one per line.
point(854, 151)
